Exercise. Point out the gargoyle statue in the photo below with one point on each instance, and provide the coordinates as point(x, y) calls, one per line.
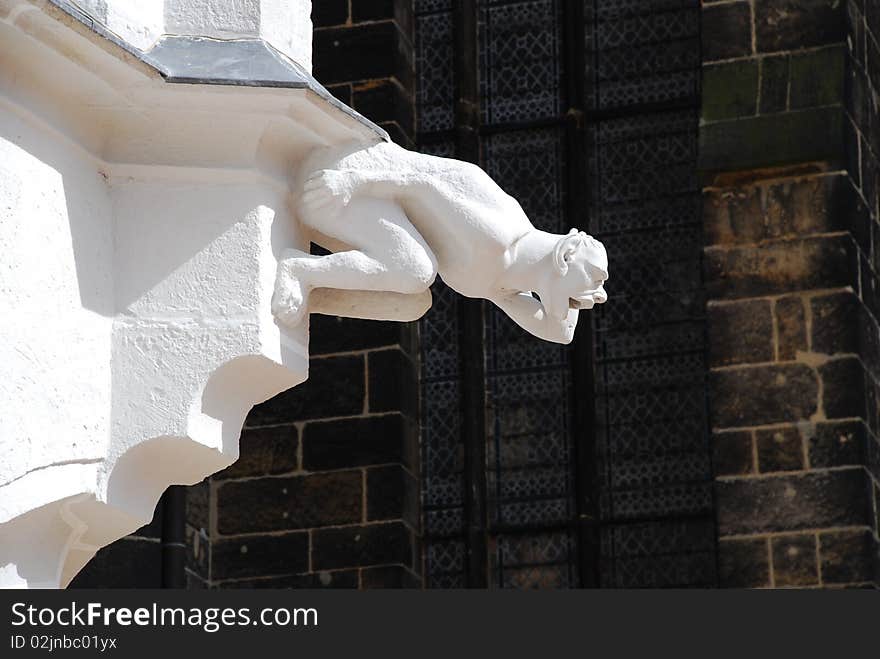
point(407, 217)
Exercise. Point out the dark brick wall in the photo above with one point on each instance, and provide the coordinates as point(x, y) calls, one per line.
point(131, 562)
point(790, 215)
point(325, 493)
point(363, 53)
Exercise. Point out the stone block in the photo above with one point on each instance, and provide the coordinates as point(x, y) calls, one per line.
point(793, 502)
point(330, 579)
point(743, 563)
point(848, 557)
point(301, 502)
point(773, 140)
point(730, 90)
point(838, 444)
point(794, 560)
point(732, 453)
point(792, 207)
point(198, 504)
point(367, 51)
point(389, 576)
point(384, 101)
point(372, 10)
point(781, 449)
point(126, 563)
point(795, 24)
point(362, 546)
point(791, 327)
point(330, 334)
point(392, 493)
point(844, 388)
point(740, 333)
point(258, 556)
point(356, 442)
point(320, 396)
point(726, 31)
point(782, 267)
point(326, 13)
point(393, 382)
point(817, 78)
point(264, 452)
point(762, 395)
point(774, 84)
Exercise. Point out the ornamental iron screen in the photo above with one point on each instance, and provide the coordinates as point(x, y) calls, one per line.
point(595, 467)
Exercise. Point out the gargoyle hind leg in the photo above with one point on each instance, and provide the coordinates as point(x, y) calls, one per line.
point(389, 255)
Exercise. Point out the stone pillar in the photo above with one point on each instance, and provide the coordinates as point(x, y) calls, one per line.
point(789, 152)
point(285, 24)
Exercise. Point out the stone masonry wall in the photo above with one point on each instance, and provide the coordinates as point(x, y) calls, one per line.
point(325, 493)
point(134, 561)
point(788, 154)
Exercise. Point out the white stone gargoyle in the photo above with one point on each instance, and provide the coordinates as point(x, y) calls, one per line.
point(396, 219)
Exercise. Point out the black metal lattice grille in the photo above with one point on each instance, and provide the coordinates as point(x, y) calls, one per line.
point(654, 473)
point(528, 477)
point(641, 97)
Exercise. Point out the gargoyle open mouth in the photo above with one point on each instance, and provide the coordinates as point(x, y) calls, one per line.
point(588, 299)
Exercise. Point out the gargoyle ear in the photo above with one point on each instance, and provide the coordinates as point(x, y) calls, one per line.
point(564, 251)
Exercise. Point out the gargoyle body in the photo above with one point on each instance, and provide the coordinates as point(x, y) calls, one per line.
point(407, 217)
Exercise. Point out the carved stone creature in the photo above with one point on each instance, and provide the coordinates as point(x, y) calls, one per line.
point(397, 218)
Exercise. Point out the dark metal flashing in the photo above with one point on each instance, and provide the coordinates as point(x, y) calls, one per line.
point(205, 61)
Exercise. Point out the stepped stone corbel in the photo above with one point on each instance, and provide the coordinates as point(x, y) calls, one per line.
point(158, 194)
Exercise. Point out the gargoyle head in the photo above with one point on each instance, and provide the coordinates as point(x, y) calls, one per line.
point(582, 268)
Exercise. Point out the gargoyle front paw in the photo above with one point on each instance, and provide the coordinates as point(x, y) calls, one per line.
point(288, 302)
point(289, 298)
point(327, 192)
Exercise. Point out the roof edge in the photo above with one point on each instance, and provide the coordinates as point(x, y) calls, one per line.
point(198, 60)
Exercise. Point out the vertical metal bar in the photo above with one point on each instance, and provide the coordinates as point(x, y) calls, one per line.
point(467, 86)
point(470, 311)
point(583, 385)
point(174, 537)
